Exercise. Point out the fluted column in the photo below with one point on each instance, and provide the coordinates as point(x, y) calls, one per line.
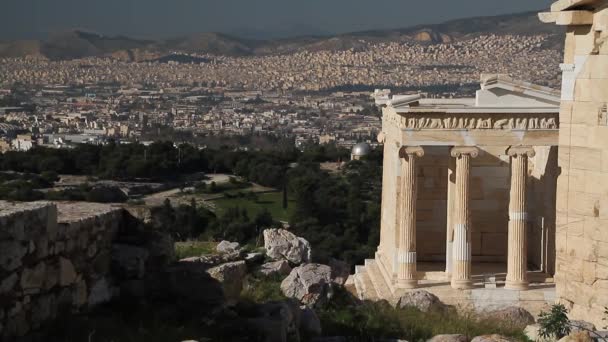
point(517, 261)
point(407, 277)
point(449, 241)
point(461, 267)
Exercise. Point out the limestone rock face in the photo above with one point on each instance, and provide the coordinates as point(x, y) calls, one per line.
point(280, 267)
point(491, 338)
point(231, 275)
point(227, 247)
point(514, 315)
point(309, 283)
point(281, 244)
point(421, 300)
point(449, 338)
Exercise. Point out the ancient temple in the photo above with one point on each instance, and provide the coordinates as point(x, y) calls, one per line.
point(502, 199)
point(468, 195)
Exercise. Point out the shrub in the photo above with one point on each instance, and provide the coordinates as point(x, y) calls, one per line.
point(555, 322)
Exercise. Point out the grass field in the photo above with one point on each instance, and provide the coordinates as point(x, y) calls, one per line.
point(194, 248)
point(273, 202)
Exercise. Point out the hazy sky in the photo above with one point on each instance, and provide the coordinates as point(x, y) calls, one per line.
point(163, 18)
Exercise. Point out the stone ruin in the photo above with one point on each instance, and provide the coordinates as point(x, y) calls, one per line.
point(69, 258)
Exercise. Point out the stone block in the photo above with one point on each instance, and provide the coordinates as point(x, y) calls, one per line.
point(582, 158)
point(33, 278)
point(11, 253)
point(8, 283)
point(100, 293)
point(79, 293)
point(67, 273)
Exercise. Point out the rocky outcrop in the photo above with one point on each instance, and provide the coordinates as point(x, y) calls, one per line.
point(513, 316)
point(421, 300)
point(280, 267)
point(281, 244)
point(309, 283)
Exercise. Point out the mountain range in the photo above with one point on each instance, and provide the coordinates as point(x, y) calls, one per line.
point(78, 43)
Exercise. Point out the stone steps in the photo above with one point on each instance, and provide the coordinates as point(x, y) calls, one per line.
point(377, 279)
point(365, 287)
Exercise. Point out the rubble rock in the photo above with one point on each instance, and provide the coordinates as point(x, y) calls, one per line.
point(309, 283)
point(228, 247)
point(421, 300)
point(516, 316)
point(254, 258)
point(491, 338)
point(281, 244)
point(449, 338)
point(231, 275)
point(280, 267)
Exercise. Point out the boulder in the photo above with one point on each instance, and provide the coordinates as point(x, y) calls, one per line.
point(254, 258)
point(228, 247)
point(280, 267)
point(309, 283)
point(512, 315)
point(492, 338)
point(421, 300)
point(231, 275)
point(213, 259)
point(283, 245)
point(310, 324)
point(448, 338)
point(340, 271)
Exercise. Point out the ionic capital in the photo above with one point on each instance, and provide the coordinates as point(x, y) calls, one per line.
point(411, 151)
point(381, 137)
point(458, 151)
point(516, 151)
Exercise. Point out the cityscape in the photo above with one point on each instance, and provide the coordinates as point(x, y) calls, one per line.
point(304, 172)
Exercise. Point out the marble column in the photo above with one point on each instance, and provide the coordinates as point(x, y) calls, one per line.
point(461, 259)
point(407, 277)
point(449, 241)
point(517, 260)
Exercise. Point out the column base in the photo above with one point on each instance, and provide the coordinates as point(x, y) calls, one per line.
point(462, 284)
point(407, 283)
point(516, 285)
point(448, 276)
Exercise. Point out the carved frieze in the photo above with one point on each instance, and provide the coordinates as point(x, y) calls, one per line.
point(477, 121)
